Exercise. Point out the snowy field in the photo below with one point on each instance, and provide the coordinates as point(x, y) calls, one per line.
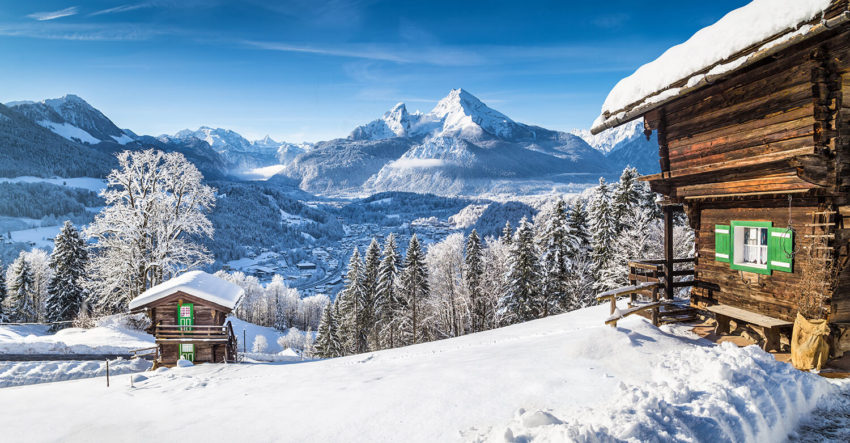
point(18, 373)
point(88, 183)
point(42, 237)
point(110, 336)
point(566, 377)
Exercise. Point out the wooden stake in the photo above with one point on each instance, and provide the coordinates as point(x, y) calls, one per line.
point(107, 373)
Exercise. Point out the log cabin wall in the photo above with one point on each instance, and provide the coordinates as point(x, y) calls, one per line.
point(165, 313)
point(774, 295)
point(735, 150)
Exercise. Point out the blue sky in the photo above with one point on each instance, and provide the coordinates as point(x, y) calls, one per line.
point(309, 70)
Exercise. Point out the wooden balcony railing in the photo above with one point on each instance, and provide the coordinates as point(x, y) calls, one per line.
point(193, 332)
point(655, 271)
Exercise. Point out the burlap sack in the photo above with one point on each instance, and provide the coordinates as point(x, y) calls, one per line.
point(809, 343)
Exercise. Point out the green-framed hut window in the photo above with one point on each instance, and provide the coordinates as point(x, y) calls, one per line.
point(754, 246)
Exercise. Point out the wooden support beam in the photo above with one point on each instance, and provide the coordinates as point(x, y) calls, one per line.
point(668, 251)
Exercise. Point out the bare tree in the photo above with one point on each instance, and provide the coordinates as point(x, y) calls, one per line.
point(156, 205)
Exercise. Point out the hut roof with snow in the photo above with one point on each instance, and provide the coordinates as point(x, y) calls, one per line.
point(197, 284)
point(741, 38)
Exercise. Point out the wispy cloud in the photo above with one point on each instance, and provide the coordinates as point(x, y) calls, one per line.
point(123, 8)
point(52, 15)
point(444, 55)
point(432, 55)
point(83, 32)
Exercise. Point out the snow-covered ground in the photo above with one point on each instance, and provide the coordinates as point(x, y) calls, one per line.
point(18, 373)
point(42, 237)
point(566, 377)
point(111, 336)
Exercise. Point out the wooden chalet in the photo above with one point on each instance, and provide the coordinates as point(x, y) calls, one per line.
point(754, 145)
point(188, 317)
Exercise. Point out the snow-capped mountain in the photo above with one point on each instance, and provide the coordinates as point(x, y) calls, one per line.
point(625, 145)
point(612, 139)
point(221, 140)
point(462, 146)
point(459, 114)
point(74, 119)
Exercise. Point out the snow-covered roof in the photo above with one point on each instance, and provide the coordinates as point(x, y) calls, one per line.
point(196, 283)
point(739, 38)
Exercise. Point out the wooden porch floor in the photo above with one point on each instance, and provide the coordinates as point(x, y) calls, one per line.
point(836, 368)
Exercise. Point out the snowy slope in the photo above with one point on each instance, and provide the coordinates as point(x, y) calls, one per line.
point(74, 119)
point(562, 378)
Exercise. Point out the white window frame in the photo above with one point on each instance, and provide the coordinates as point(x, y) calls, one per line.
point(738, 247)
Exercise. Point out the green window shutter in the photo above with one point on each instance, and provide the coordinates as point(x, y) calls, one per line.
point(780, 248)
point(722, 243)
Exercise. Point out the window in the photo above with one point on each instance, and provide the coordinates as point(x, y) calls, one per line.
point(754, 246)
point(187, 347)
point(186, 311)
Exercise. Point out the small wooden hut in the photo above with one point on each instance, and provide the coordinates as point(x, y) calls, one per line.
point(188, 317)
point(752, 116)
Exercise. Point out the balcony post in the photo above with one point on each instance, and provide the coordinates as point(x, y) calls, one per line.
point(668, 251)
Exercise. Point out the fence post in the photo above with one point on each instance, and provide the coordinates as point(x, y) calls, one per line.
point(107, 373)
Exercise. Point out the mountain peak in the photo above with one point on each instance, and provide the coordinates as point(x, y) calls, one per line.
point(463, 112)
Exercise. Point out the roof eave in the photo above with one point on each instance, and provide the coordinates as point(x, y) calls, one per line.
point(636, 110)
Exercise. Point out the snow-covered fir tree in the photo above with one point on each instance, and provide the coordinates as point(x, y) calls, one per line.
point(19, 281)
point(554, 244)
point(149, 231)
point(390, 304)
point(625, 198)
point(368, 320)
point(68, 262)
point(522, 302)
point(578, 230)
point(507, 233)
point(473, 274)
point(328, 344)
point(601, 220)
point(415, 290)
point(4, 314)
point(350, 306)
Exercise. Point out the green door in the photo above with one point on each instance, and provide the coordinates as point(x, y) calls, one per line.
point(186, 316)
point(187, 351)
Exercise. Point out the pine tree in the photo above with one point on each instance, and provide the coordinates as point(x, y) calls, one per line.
point(601, 227)
point(328, 343)
point(578, 230)
point(522, 302)
point(368, 318)
point(554, 261)
point(68, 262)
point(350, 299)
point(473, 273)
point(390, 303)
point(20, 286)
point(415, 290)
point(625, 198)
point(507, 233)
point(4, 316)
